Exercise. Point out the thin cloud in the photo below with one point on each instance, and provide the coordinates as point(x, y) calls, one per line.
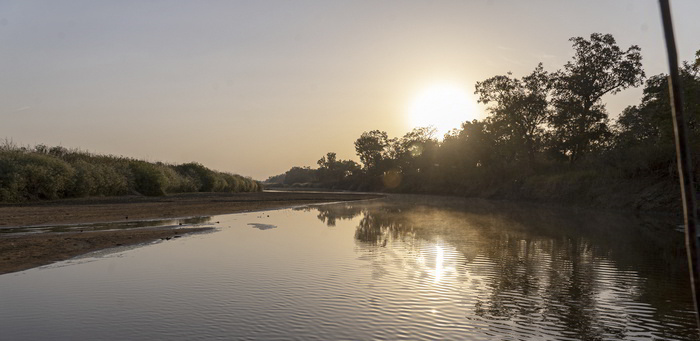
point(20, 109)
point(510, 60)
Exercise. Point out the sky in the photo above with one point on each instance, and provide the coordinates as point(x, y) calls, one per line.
point(256, 87)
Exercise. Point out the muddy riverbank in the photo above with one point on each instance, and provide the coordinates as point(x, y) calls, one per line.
point(28, 250)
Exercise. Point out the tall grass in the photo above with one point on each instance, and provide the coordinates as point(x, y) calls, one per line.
point(43, 172)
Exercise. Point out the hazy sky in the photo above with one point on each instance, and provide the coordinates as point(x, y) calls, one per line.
point(255, 87)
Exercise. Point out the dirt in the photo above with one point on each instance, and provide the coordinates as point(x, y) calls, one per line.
point(23, 251)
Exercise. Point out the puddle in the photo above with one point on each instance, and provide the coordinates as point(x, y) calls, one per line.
point(262, 227)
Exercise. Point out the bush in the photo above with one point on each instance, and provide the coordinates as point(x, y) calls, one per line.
point(26, 176)
point(148, 179)
point(55, 172)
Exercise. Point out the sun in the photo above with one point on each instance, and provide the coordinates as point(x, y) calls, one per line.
point(443, 106)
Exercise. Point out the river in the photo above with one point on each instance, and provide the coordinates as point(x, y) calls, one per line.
point(403, 267)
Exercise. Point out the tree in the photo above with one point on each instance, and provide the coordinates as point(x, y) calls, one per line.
point(299, 175)
point(651, 120)
point(465, 154)
point(644, 138)
point(333, 172)
point(328, 161)
point(275, 179)
point(518, 110)
point(373, 148)
point(599, 67)
point(405, 151)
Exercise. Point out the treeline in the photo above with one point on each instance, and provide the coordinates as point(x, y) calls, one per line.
point(547, 137)
point(45, 172)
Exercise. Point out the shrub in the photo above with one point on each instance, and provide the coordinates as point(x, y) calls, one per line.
point(55, 172)
point(148, 179)
point(27, 175)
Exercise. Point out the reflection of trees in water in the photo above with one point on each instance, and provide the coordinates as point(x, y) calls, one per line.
point(547, 283)
point(547, 268)
point(330, 214)
point(376, 229)
point(377, 223)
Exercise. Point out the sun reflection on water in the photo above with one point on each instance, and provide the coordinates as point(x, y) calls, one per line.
point(439, 259)
point(520, 272)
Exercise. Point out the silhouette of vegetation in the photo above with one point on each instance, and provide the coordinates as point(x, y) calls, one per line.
point(56, 172)
point(300, 175)
point(547, 137)
point(333, 172)
point(519, 110)
point(276, 179)
point(599, 67)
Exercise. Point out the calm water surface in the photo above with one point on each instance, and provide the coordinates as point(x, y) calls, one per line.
point(398, 268)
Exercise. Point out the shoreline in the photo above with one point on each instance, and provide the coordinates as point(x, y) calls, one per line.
point(22, 251)
point(25, 251)
point(125, 208)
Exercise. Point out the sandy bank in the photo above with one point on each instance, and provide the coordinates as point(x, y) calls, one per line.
point(20, 252)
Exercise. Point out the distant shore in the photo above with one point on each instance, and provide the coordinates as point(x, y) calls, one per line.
point(25, 251)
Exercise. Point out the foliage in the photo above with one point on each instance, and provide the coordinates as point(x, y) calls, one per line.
point(599, 67)
point(518, 112)
point(148, 179)
point(33, 176)
point(373, 149)
point(275, 179)
point(547, 137)
point(56, 172)
point(336, 173)
point(299, 175)
point(644, 140)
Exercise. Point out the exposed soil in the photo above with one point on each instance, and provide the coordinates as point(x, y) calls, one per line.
point(21, 252)
point(106, 209)
point(24, 251)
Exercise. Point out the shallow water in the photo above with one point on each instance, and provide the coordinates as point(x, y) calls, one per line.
point(404, 267)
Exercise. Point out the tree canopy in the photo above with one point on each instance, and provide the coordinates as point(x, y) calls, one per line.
point(599, 67)
point(518, 108)
point(545, 134)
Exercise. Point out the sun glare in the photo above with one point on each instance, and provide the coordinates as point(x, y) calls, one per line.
point(443, 106)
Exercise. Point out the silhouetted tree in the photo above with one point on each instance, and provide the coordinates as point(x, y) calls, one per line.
point(599, 67)
point(413, 156)
point(299, 175)
point(466, 155)
point(336, 173)
point(276, 179)
point(644, 140)
point(328, 161)
point(373, 148)
point(518, 109)
point(561, 112)
point(411, 147)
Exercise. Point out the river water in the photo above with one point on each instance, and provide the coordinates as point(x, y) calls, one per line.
point(403, 267)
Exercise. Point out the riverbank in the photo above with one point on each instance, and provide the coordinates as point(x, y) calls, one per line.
point(24, 251)
point(21, 252)
point(572, 189)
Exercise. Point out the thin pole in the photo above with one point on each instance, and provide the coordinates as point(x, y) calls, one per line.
point(680, 129)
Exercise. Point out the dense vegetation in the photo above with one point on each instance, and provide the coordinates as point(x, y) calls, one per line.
point(547, 137)
point(53, 173)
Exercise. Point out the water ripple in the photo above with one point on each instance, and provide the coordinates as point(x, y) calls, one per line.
point(382, 271)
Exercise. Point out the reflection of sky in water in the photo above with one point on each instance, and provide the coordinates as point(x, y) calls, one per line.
point(373, 270)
